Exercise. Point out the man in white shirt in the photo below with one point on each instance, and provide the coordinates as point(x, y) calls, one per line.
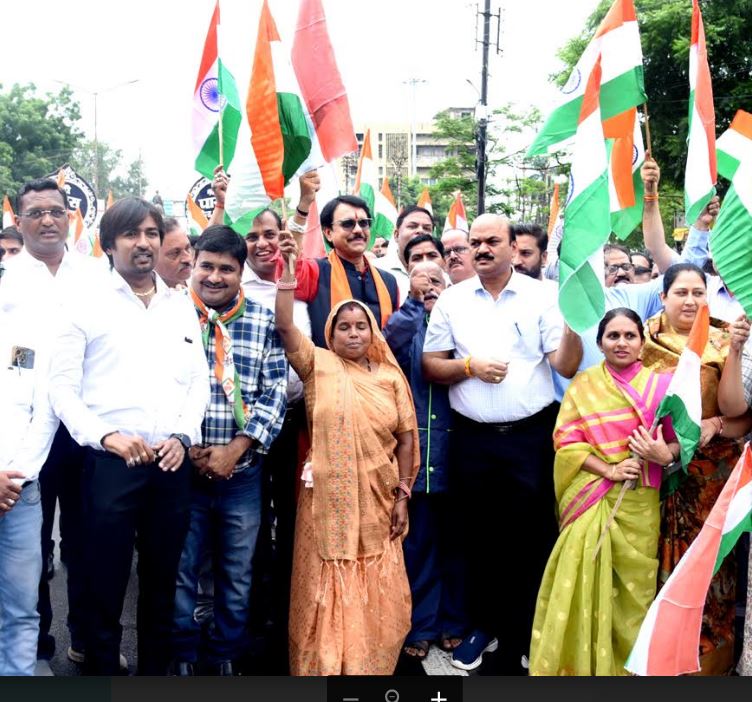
point(130, 381)
point(492, 338)
point(35, 282)
point(27, 427)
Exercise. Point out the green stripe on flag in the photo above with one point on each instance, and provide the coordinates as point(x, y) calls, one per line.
point(581, 297)
point(685, 428)
point(242, 225)
point(617, 95)
point(623, 222)
point(731, 244)
point(209, 157)
point(727, 164)
point(729, 539)
point(295, 134)
point(381, 226)
point(366, 193)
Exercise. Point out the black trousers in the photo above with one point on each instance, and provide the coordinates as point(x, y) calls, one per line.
point(60, 481)
point(274, 556)
point(502, 486)
point(149, 508)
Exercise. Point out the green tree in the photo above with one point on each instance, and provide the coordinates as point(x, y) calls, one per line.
point(38, 134)
point(458, 170)
point(134, 184)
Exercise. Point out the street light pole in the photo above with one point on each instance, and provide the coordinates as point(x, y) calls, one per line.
point(413, 83)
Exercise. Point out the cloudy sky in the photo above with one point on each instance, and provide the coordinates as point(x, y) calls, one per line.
point(97, 46)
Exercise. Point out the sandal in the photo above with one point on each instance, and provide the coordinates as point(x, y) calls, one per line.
point(417, 649)
point(448, 642)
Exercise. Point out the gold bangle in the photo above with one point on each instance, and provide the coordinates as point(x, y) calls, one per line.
point(468, 370)
point(650, 197)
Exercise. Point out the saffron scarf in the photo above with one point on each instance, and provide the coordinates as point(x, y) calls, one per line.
point(599, 412)
point(224, 363)
point(340, 287)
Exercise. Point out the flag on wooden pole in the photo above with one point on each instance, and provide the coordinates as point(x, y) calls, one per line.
point(216, 106)
point(616, 45)
point(701, 172)
point(587, 217)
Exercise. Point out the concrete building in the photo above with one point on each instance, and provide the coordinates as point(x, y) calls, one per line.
point(397, 154)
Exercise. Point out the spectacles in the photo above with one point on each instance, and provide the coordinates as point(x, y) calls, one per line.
point(457, 250)
point(55, 213)
point(641, 270)
point(616, 267)
point(349, 224)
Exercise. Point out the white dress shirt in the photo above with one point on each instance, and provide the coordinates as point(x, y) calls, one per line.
point(520, 327)
point(390, 262)
point(265, 293)
point(121, 366)
point(30, 305)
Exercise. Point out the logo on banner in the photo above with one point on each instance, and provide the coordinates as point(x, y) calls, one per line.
point(80, 194)
point(203, 195)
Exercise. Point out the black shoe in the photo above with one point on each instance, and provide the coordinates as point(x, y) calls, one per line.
point(183, 669)
point(225, 668)
point(45, 647)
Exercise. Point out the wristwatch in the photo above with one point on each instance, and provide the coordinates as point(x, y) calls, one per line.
point(183, 439)
point(673, 467)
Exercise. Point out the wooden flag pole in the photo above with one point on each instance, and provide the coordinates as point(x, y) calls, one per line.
point(648, 140)
point(626, 485)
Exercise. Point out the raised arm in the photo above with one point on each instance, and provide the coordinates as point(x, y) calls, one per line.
point(652, 224)
point(732, 398)
point(566, 359)
point(219, 186)
point(289, 334)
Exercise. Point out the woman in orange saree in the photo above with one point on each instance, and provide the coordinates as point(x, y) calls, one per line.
point(350, 598)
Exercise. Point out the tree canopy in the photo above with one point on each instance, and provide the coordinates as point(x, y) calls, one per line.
point(38, 134)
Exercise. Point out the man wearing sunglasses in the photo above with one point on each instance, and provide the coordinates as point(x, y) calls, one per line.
point(35, 280)
point(346, 272)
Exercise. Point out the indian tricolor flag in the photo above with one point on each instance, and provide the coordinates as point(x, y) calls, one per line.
point(683, 399)
point(280, 137)
point(587, 217)
point(616, 45)
point(701, 173)
point(197, 220)
point(424, 200)
point(731, 238)
point(9, 218)
point(553, 210)
point(216, 107)
point(669, 639)
point(456, 217)
point(380, 202)
point(626, 156)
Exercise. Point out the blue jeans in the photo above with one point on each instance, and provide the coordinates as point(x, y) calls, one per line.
point(20, 569)
point(227, 512)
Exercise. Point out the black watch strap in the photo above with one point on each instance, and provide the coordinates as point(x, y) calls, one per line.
point(183, 439)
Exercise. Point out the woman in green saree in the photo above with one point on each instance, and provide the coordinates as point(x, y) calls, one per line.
point(590, 606)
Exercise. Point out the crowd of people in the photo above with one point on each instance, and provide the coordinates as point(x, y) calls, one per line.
point(367, 432)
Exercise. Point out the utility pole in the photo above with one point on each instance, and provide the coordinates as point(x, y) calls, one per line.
point(481, 133)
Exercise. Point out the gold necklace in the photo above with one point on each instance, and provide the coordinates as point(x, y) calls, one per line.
point(147, 293)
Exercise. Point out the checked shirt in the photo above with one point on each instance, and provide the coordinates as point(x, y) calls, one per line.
point(262, 372)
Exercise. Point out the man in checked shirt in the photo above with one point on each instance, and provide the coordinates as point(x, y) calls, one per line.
point(248, 375)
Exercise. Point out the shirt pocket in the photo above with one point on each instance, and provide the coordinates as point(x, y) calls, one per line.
point(17, 386)
point(527, 340)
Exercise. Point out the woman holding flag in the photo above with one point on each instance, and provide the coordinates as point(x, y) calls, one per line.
point(600, 580)
point(690, 495)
